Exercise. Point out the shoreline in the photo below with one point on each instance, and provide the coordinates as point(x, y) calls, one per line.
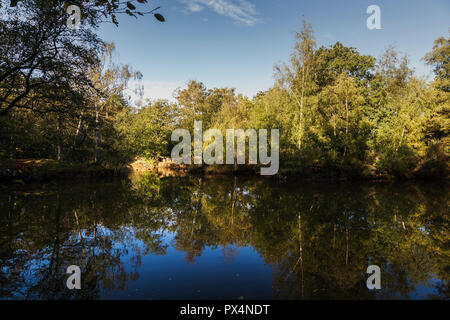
point(27, 170)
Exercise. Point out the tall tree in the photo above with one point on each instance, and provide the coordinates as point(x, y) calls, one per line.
point(110, 82)
point(40, 54)
point(296, 76)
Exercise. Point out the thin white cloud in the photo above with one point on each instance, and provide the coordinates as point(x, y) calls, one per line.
point(154, 90)
point(193, 7)
point(241, 11)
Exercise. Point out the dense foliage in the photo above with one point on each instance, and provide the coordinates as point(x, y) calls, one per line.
point(340, 113)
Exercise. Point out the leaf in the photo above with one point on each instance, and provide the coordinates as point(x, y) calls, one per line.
point(159, 17)
point(142, 1)
point(131, 6)
point(128, 12)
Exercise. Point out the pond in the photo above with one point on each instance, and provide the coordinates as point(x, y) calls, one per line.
point(224, 237)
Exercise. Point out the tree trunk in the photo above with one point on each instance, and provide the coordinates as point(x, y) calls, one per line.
point(59, 137)
point(346, 125)
point(78, 131)
point(301, 111)
point(334, 125)
point(96, 155)
point(346, 246)
point(12, 148)
point(301, 254)
point(233, 201)
point(401, 139)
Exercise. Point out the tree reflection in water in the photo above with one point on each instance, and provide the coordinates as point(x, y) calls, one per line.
point(317, 238)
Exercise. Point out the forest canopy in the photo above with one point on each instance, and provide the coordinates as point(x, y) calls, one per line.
point(340, 113)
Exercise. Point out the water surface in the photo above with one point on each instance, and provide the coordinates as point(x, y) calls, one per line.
point(224, 238)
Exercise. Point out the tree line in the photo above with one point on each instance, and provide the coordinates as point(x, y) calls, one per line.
point(340, 113)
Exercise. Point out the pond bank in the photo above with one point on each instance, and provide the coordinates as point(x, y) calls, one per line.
point(20, 170)
point(165, 167)
point(49, 169)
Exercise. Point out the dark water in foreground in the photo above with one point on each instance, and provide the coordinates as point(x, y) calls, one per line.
point(224, 238)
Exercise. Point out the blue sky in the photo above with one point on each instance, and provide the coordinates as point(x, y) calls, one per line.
point(235, 43)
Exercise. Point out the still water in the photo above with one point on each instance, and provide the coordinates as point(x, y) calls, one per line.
point(224, 238)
